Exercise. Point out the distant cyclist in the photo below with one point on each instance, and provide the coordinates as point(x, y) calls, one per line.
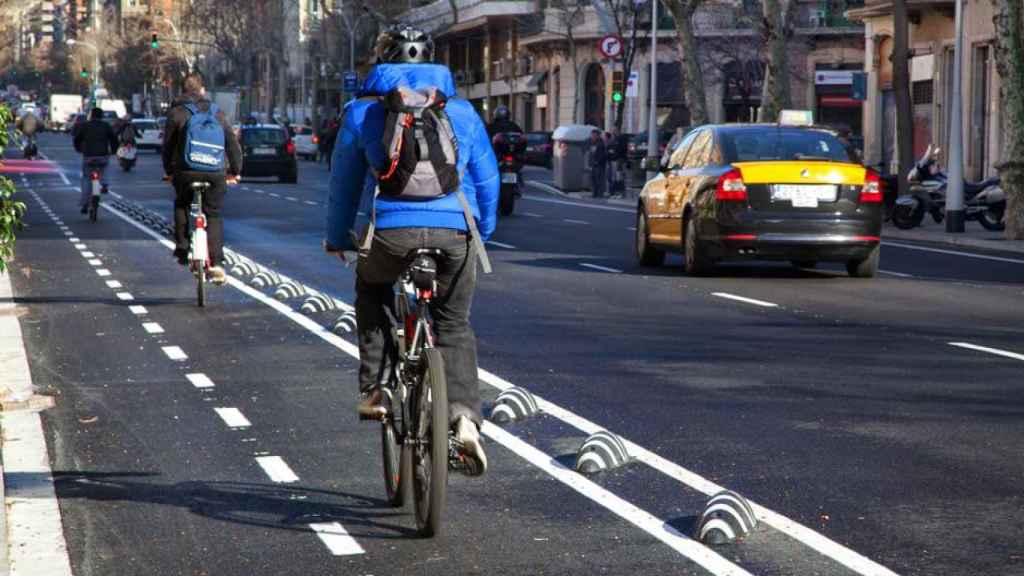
point(453, 209)
point(95, 141)
point(201, 163)
point(28, 125)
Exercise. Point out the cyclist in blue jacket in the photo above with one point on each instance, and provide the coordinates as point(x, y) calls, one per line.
point(404, 60)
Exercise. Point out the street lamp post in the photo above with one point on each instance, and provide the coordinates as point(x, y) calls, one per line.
point(652, 118)
point(955, 195)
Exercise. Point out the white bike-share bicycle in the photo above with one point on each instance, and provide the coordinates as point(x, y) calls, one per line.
point(199, 250)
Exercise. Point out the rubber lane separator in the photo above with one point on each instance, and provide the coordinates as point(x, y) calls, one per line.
point(175, 353)
point(996, 351)
point(233, 417)
point(601, 268)
point(761, 303)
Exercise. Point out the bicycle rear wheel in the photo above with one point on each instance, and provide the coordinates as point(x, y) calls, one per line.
point(430, 458)
point(394, 475)
point(201, 286)
point(94, 208)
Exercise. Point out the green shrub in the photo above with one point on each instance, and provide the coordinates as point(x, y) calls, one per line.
point(11, 210)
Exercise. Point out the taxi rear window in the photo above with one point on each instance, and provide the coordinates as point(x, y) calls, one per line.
point(768, 143)
point(258, 136)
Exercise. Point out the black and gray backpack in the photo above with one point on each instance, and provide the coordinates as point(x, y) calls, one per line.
point(419, 146)
point(421, 157)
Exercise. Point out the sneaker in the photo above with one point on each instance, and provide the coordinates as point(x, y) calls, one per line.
point(104, 190)
point(217, 275)
point(467, 439)
point(181, 255)
point(370, 405)
point(85, 209)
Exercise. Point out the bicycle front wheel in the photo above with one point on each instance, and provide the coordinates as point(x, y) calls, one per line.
point(201, 286)
point(394, 474)
point(430, 460)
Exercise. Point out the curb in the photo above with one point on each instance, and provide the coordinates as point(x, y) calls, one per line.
point(997, 243)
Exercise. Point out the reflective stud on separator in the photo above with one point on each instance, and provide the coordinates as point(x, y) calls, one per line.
point(513, 404)
point(263, 279)
point(726, 518)
point(316, 303)
point(288, 290)
point(345, 324)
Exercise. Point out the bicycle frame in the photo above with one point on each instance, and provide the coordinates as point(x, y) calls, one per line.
point(199, 255)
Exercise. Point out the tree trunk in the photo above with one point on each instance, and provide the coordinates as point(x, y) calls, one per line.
point(901, 86)
point(575, 81)
point(692, 77)
point(1008, 16)
point(776, 18)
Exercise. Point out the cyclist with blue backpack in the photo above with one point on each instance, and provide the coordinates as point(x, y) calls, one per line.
point(420, 162)
point(199, 145)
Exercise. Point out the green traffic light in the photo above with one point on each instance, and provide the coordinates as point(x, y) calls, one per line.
point(84, 73)
point(616, 97)
point(154, 43)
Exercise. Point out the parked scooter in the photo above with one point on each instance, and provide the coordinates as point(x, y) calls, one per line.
point(509, 147)
point(126, 156)
point(928, 196)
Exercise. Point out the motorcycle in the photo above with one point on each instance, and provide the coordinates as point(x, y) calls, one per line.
point(509, 147)
point(928, 196)
point(126, 157)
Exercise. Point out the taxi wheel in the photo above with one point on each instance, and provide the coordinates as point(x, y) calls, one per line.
point(866, 268)
point(645, 253)
point(696, 263)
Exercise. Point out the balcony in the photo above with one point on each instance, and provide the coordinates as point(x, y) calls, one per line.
point(438, 17)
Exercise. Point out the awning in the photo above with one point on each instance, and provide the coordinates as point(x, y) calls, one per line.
point(534, 83)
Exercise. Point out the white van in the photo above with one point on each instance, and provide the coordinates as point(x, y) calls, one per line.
point(115, 106)
point(63, 108)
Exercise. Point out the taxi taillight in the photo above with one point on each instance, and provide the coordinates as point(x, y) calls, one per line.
point(871, 193)
point(731, 187)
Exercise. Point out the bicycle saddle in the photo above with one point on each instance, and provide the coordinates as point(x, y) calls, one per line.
point(423, 266)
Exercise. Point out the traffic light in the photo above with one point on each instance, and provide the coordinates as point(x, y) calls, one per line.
point(154, 43)
point(84, 73)
point(617, 86)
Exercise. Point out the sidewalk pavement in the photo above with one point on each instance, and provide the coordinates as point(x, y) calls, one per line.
point(974, 236)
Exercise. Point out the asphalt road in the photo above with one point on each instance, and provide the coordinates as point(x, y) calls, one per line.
point(871, 444)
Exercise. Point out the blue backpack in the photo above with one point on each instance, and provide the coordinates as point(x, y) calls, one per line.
point(204, 140)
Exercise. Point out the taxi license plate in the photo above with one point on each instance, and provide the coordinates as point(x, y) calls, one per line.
point(804, 196)
point(264, 151)
point(509, 177)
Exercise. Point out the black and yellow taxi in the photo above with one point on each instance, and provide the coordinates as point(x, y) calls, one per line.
point(789, 192)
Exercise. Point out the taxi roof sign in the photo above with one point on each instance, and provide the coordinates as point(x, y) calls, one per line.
point(796, 118)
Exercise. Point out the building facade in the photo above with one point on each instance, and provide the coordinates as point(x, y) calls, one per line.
point(932, 41)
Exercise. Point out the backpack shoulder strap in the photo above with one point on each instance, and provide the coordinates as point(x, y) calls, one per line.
point(481, 252)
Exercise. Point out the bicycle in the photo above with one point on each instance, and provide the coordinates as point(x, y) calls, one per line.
point(199, 250)
point(97, 190)
point(418, 447)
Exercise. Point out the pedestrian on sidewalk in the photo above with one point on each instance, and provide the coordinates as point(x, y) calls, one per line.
point(598, 164)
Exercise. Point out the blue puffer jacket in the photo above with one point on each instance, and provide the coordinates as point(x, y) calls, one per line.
point(359, 145)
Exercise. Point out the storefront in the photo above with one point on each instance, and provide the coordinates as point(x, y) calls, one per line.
point(835, 105)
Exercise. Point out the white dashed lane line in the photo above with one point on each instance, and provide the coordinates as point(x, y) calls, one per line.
point(200, 380)
point(233, 417)
point(601, 268)
point(571, 221)
point(310, 203)
point(103, 272)
point(125, 296)
point(137, 310)
point(114, 284)
point(986, 349)
point(761, 303)
point(95, 262)
point(175, 353)
point(897, 274)
point(336, 538)
point(87, 254)
point(277, 469)
point(152, 328)
point(501, 245)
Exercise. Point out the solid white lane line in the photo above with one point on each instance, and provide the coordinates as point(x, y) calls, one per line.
point(64, 178)
point(337, 539)
point(897, 274)
point(745, 299)
point(952, 252)
point(137, 310)
point(814, 540)
point(277, 469)
point(87, 254)
point(152, 328)
point(113, 284)
point(126, 296)
point(199, 380)
point(233, 417)
point(571, 221)
point(568, 203)
point(103, 272)
point(95, 262)
point(601, 268)
point(640, 518)
point(174, 353)
point(996, 351)
point(501, 245)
